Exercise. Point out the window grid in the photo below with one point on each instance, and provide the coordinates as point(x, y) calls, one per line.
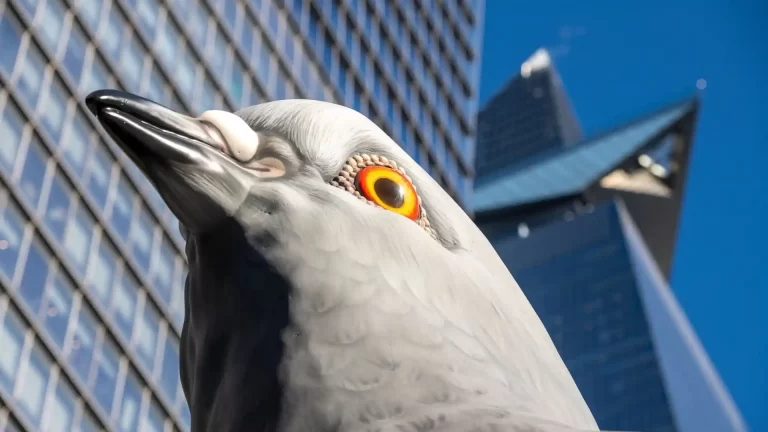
point(37, 231)
point(77, 195)
point(361, 76)
point(52, 149)
point(55, 65)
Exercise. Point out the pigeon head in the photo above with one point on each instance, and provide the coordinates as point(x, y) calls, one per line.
point(332, 280)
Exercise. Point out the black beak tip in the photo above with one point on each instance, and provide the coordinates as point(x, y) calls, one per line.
point(98, 100)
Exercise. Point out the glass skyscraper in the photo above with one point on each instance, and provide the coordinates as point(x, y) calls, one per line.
point(588, 230)
point(529, 116)
point(91, 263)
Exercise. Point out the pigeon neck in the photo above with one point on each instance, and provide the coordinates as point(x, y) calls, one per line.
point(237, 307)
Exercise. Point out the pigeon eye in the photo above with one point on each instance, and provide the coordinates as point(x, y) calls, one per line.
point(388, 189)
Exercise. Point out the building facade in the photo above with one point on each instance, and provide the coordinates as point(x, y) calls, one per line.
point(589, 233)
point(529, 116)
point(91, 263)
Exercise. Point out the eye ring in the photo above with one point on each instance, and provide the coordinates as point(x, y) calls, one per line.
point(389, 189)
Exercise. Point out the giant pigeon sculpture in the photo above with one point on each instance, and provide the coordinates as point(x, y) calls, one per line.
point(333, 285)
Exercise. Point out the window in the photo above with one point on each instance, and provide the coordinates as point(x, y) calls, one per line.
point(12, 341)
point(35, 276)
point(197, 24)
point(153, 422)
point(177, 298)
point(123, 305)
point(167, 44)
point(112, 33)
point(31, 77)
point(90, 10)
point(130, 404)
point(77, 239)
point(107, 366)
point(10, 34)
point(132, 63)
point(76, 144)
point(57, 307)
point(142, 234)
point(147, 328)
point(57, 209)
point(11, 128)
point(148, 11)
point(34, 381)
point(155, 88)
point(162, 270)
point(185, 73)
point(169, 376)
point(54, 109)
point(33, 173)
point(100, 171)
point(97, 78)
point(49, 27)
point(11, 234)
point(208, 98)
point(80, 352)
point(101, 272)
point(122, 208)
point(89, 423)
point(74, 56)
point(61, 408)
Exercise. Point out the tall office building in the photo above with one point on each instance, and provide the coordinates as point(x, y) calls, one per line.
point(91, 263)
point(589, 232)
point(529, 116)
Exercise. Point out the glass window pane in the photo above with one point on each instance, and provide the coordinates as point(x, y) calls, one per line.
point(35, 274)
point(156, 89)
point(31, 393)
point(112, 32)
point(90, 10)
point(162, 269)
point(54, 109)
point(11, 128)
point(12, 341)
point(98, 77)
point(100, 171)
point(124, 303)
point(208, 98)
point(102, 271)
point(49, 27)
point(11, 234)
point(80, 353)
point(77, 143)
point(153, 422)
point(74, 56)
point(57, 308)
point(130, 404)
point(61, 408)
point(33, 173)
point(122, 208)
point(57, 209)
point(197, 24)
point(31, 77)
point(132, 63)
point(148, 10)
point(169, 378)
point(142, 233)
point(185, 74)
point(10, 34)
point(107, 366)
point(89, 423)
point(77, 239)
point(167, 43)
point(146, 334)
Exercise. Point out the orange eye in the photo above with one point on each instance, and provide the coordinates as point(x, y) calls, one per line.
point(389, 189)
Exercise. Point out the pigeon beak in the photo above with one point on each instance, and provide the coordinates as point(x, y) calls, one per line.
point(182, 156)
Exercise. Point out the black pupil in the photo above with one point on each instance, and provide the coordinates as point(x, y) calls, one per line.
point(391, 193)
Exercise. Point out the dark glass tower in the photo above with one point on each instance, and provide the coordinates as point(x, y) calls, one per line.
point(529, 116)
point(91, 263)
point(589, 232)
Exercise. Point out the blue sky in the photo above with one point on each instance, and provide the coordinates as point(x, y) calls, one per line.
point(619, 59)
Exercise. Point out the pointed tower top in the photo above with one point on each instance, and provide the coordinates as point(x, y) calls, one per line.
point(538, 61)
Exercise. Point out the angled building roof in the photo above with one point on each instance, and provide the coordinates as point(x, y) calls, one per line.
point(570, 171)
